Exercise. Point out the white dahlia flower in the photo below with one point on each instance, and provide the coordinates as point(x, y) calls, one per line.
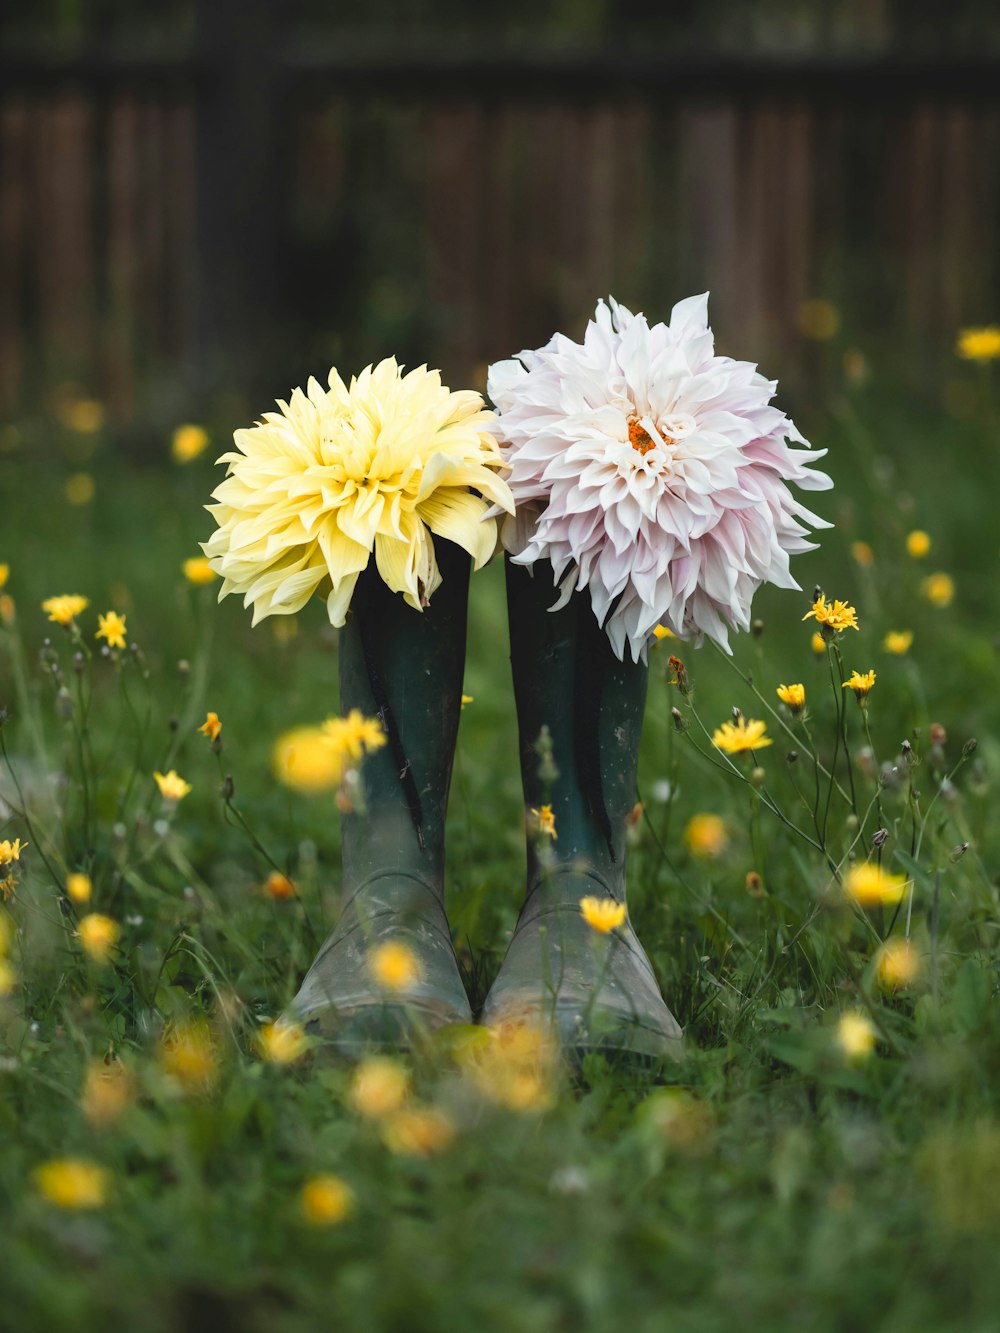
point(652, 472)
point(312, 491)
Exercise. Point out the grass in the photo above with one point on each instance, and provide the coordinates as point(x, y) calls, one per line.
point(768, 1179)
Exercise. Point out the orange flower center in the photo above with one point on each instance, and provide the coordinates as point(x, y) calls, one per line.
point(639, 438)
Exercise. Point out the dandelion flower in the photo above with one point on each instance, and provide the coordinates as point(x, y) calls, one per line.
point(861, 683)
point(64, 609)
point(818, 644)
point(198, 571)
point(340, 474)
point(379, 1087)
point(78, 887)
point(98, 936)
point(515, 1067)
point(918, 543)
point(652, 472)
point(706, 835)
point(282, 1043)
point(543, 821)
point(211, 727)
point(898, 641)
point(871, 886)
point(188, 442)
point(395, 966)
point(354, 736)
point(279, 886)
point(794, 696)
point(740, 736)
point(856, 1035)
point(833, 616)
point(661, 632)
point(11, 851)
point(939, 589)
point(188, 1056)
point(72, 1183)
point(418, 1131)
point(111, 628)
point(306, 760)
point(172, 786)
point(897, 965)
point(602, 914)
point(980, 345)
point(326, 1200)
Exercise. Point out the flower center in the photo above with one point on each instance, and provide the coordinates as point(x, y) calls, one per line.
point(638, 437)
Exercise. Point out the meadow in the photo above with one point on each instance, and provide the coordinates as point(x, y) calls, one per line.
point(825, 1155)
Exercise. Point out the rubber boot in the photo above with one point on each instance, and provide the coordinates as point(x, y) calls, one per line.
point(597, 990)
point(405, 667)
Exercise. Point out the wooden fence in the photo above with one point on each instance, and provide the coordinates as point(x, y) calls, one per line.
point(196, 228)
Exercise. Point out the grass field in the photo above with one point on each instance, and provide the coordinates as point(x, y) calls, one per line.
point(791, 1170)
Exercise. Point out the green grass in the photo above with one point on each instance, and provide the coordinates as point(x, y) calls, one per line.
point(765, 1181)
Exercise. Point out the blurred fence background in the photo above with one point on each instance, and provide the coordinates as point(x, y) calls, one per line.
point(209, 195)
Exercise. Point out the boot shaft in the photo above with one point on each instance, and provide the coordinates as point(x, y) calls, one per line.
point(567, 678)
point(405, 667)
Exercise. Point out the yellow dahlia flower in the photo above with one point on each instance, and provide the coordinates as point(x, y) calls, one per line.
point(338, 474)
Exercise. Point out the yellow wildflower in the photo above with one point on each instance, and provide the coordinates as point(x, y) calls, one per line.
point(516, 1067)
point(897, 964)
point(818, 644)
point(211, 727)
point(282, 1043)
point(898, 641)
point(863, 554)
point(72, 1183)
point(861, 683)
point(64, 609)
point(198, 571)
point(544, 821)
point(979, 344)
point(107, 1091)
point(871, 886)
point(11, 851)
point(918, 543)
point(418, 1131)
point(187, 442)
point(98, 935)
point(602, 914)
point(354, 736)
point(738, 737)
point(306, 760)
point(8, 611)
point(172, 786)
point(326, 1200)
point(395, 966)
point(379, 1087)
point(706, 835)
point(467, 699)
point(4, 575)
point(279, 886)
point(78, 887)
point(188, 1056)
point(792, 695)
point(939, 589)
point(833, 616)
point(662, 632)
point(112, 629)
point(79, 489)
point(856, 1035)
point(819, 319)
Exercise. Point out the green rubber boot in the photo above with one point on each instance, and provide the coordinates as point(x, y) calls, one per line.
point(597, 990)
point(405, 667)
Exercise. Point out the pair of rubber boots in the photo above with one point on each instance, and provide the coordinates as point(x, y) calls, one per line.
point(590, 991)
